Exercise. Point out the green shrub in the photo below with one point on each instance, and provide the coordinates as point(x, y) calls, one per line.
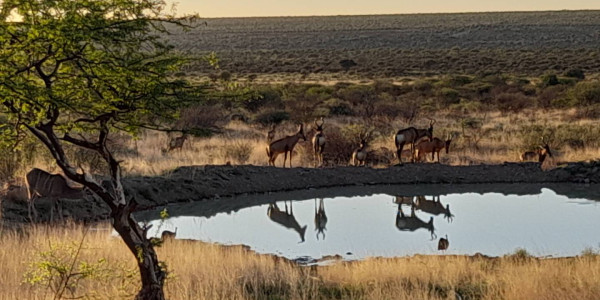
point(272, 117)
point(585, 93)
point(575, 73)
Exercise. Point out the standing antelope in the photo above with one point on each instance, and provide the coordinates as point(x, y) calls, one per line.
point(320, 218)
point(359, 155)
point(318, 142)
point(433, 146)
point(286, 218)
point(43, 184)
point(411, 135)
point(177, 143)
point(541, 153)
point(285, 145)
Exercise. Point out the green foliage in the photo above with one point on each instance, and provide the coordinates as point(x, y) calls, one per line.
point(575, 73)
point(272, 117)
point(549, 80)
point(94, 46)
point(61, 270)
point(585, 93)
point(448, 96)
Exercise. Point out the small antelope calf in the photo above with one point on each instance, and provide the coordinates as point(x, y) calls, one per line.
point(540, 154)
point(434, 146)
point(177, 143)
point(359, 156)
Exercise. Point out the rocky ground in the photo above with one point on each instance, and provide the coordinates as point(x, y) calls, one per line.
point(198, 183)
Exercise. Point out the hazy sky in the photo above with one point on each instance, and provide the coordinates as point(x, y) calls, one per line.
point(244, 8)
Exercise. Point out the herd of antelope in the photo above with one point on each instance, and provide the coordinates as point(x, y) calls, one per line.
point(421, 141)
point(285, 217)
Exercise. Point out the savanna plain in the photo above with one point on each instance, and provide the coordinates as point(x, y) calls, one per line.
point(495, 84)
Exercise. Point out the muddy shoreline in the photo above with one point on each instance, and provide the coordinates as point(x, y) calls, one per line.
point(198, 183)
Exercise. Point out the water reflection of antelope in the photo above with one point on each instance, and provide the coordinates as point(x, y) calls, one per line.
point(408, 200)
point(434, 207)
point(412, 222)
point(320, 218)
point(285, 218)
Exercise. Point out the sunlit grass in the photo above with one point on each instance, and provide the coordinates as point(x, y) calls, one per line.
point(206, 271)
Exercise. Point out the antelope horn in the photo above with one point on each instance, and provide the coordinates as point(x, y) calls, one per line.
point(431, 122)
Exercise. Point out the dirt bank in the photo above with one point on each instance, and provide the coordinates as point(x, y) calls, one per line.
point(196, 183)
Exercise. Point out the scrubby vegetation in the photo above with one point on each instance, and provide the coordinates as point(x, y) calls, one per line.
point(491, 119)
point(367, 47)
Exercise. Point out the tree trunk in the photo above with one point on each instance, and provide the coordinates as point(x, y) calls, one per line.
point(151, 273)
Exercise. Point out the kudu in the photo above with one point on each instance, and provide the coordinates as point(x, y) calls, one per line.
point(177, 143)
point(412, 222)
point(540, 154)
point(443, 243)
point(285, 145)
point(318, 143)
point(320, 218)
point(286, 218)
point(434, 207)
point(45, 185)
point(433, 146)
point(411, 135)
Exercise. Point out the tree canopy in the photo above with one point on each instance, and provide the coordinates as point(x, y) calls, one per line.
point(72, 72)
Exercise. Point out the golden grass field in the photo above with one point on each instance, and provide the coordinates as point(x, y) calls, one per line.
point(206, 271)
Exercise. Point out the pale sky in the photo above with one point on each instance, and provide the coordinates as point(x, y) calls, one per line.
point(244, 8)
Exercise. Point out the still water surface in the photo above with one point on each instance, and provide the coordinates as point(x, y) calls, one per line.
point(494, 224)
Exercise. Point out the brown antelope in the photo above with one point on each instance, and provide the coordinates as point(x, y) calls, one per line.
point(43, 184)
point(359, 155)
point(286, 218)
point(434, 207)
point(411, 135)
point(318, 142)
point(177, 143)
point(320, 218)
point(433, 146)
point(285, 145)
point(412, 222)
point(540, 154)
point(168, 234)
point(14, 193)
point(443, 243)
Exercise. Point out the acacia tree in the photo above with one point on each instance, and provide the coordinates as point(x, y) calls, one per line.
point(75, 72)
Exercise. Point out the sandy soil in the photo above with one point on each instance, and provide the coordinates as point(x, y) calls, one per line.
point(197, 183)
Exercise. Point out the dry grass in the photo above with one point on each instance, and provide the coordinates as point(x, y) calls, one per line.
point(497, 139)
point(205, 271)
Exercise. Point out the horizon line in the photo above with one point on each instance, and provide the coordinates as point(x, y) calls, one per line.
point(406, 13)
